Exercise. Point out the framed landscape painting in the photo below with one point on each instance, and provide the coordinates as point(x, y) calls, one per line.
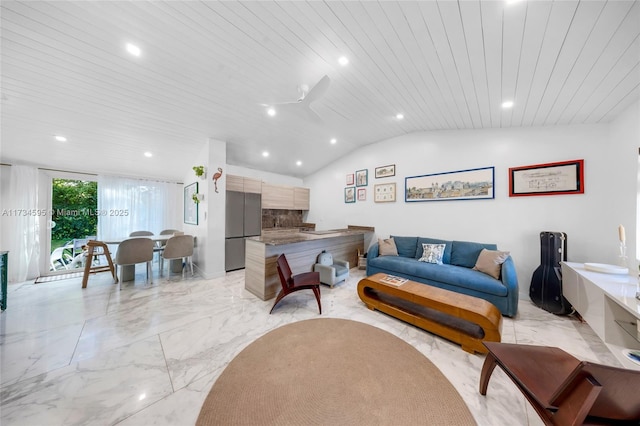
point(472, 184)
point(385, 171)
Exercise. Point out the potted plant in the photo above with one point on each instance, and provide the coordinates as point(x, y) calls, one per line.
point(197, 197)
point(200, 171)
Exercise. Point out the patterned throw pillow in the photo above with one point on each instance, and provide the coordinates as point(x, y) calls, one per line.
point(432, 253)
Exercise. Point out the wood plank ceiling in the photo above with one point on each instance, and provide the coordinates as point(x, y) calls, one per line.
point(209, 68)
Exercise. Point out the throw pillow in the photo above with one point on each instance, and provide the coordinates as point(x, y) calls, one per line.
point(387, 247)
point(432, 253)
point(490, 262)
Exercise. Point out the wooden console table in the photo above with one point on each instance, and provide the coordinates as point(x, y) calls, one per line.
point(461, 318)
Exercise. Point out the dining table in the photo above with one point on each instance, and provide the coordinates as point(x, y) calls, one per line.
point(129, 271)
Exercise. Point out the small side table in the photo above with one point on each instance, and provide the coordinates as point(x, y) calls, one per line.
point(4, 259)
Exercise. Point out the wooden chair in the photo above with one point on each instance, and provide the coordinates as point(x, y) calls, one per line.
point(95, 248)
point(564, 390)
point(292, 283)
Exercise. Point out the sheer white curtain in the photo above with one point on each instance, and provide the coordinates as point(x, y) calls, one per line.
point(24, 230)
point(126, 205)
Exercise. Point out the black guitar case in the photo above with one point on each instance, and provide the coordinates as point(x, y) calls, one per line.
point(546, 284)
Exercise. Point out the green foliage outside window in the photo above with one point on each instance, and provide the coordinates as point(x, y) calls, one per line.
point(74, 203)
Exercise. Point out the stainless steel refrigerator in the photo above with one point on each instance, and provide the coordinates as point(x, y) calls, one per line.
point(243, 219)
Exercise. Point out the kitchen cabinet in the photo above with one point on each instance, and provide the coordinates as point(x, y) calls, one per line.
point(277, 197)
point(282, 197)
point(244, 184)
point(300, 198)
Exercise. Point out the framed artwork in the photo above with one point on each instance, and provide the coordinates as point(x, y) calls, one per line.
point(362, 194)
point(472, 184)
point(350, 195)
point(385, 171)
point(362, 177)
point(190, 206)
point(565, 177)
point(350, 179)
point(384, 193)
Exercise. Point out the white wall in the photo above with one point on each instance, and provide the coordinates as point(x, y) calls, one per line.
point(514, 223)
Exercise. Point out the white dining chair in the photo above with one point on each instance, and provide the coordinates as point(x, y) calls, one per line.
point(178, 247)
point(134, 251)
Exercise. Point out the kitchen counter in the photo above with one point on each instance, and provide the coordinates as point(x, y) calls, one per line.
point(280, 237)
point(301, 248)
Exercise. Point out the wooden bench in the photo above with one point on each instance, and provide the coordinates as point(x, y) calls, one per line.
point(461, 318)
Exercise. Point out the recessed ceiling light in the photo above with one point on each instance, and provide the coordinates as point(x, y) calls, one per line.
point(298, 163)
point(507, 104)
point(265, 153)
point(61, 138)
point(271, 112)
point(133, 49)
point(334, 140)
point(400, 116)
point(148, 154)
point(343, 60)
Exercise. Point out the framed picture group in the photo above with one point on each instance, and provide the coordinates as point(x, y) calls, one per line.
point(563, 177)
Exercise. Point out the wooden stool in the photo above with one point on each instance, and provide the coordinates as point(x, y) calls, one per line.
point(90, 269)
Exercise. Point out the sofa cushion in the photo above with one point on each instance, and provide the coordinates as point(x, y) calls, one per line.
point(448, 274)
point(432, 253)
point(387, 247)
point(490, 262)
point(446, 258)
point(465, 253)
point(406, 246)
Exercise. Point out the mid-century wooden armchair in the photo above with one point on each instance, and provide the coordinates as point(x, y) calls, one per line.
point(564, 390)
point(291, 283)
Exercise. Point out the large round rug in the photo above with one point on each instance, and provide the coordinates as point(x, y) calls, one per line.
point(332, 371)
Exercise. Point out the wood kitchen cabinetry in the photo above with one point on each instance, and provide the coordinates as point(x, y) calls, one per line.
point(300, 198)
point(277, 196)
point(244, 184)
point(284, 197)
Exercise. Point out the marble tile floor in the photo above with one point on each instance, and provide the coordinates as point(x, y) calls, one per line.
point(138, 354)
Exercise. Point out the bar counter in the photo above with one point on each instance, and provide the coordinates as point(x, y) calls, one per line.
point(301, 248)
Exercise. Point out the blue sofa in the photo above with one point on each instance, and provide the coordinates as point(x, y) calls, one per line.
point(456, 272)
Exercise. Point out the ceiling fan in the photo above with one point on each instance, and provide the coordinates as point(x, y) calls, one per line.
point(307, 97)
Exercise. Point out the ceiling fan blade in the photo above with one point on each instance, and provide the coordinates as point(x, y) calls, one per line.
point(313, 116)
point(317, 91)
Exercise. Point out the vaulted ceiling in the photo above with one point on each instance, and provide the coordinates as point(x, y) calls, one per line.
point(209, 69)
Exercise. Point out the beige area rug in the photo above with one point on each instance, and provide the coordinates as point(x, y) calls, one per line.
point(332, 371)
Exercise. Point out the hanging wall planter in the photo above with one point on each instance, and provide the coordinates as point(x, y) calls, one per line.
point(200, 171)
point(197, 198)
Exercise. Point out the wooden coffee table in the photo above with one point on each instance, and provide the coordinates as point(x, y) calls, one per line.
point(461, 318)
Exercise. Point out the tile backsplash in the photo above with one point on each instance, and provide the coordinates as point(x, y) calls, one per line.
point(275, 218)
